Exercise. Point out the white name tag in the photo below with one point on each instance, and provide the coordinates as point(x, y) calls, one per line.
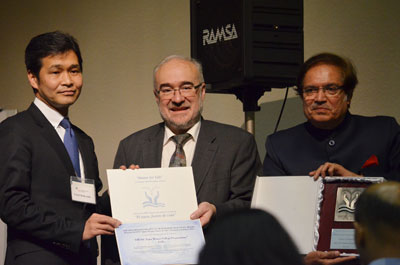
point(83, 190)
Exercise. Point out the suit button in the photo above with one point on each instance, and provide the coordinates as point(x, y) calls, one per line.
point(331, 142)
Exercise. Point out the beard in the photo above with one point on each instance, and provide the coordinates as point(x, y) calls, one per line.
point(185, 126)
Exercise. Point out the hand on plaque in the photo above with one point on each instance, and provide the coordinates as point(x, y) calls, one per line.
point(325, 258)
point(332, 169)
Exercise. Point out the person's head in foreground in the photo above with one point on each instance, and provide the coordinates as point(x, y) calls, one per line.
point(377, 222)
point(248, 237)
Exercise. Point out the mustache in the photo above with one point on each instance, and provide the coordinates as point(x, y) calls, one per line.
point(315, 106)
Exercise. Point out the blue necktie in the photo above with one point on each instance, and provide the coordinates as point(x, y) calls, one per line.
point(71, 145)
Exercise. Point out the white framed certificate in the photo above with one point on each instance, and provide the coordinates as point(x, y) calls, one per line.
point(154, 206)
point(293, 200)
point(306, 208)
point(152, 194)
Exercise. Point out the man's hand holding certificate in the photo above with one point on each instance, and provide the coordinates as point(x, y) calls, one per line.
point(154, 206)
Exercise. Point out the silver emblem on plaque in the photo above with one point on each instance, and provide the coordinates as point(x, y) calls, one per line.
point(346, 199)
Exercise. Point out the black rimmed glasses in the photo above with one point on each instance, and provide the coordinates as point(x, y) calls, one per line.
point(329, 90)
point(186, 90)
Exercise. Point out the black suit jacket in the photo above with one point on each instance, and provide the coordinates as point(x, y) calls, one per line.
point(225, 164)
point(35, 192)
point(303, 148)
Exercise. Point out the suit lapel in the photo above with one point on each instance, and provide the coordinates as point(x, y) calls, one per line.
point(152, 147)
point(51, 136)
point(89, 159)
point(206, 148)
point(83, 149)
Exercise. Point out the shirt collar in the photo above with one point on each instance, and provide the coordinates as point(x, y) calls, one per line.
point(54, 117)
point(194, 132)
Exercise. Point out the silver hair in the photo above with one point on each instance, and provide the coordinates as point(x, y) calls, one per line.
point(195, 62)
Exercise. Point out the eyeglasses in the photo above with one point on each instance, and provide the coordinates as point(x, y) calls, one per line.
point(186, 90)
point(329, 90)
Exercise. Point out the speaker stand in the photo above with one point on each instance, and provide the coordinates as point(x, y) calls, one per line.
point(249, 96)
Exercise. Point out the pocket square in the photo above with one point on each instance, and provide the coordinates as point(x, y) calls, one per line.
point(372, 161)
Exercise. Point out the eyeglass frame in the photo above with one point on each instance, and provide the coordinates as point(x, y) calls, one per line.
point(325, 88)
point(179, 89)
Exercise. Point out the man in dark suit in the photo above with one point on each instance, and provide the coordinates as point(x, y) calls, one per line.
point(224, 158)
point(333, 142)
point(48, 222)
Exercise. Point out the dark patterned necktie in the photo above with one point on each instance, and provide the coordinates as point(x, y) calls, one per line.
point(178, 158)
point(71, 145)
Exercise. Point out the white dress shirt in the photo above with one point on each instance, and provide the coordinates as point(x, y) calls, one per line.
point(169, 146)
point(54, 117)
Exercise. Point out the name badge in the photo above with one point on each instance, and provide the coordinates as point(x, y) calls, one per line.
point(83, 190)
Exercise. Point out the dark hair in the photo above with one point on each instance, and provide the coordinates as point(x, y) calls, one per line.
point(248, 237)
point(377, 213)
point(50, 43)
point(348, 71)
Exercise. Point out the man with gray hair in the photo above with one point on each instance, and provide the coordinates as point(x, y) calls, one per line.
point(224, 158)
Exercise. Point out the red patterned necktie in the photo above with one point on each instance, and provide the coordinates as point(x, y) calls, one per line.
point(178, 158)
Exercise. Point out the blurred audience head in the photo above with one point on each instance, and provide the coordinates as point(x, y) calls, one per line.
point(377, 222)
point(248, 237)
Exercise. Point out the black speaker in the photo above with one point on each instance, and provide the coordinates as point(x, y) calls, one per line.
point(252, 44)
